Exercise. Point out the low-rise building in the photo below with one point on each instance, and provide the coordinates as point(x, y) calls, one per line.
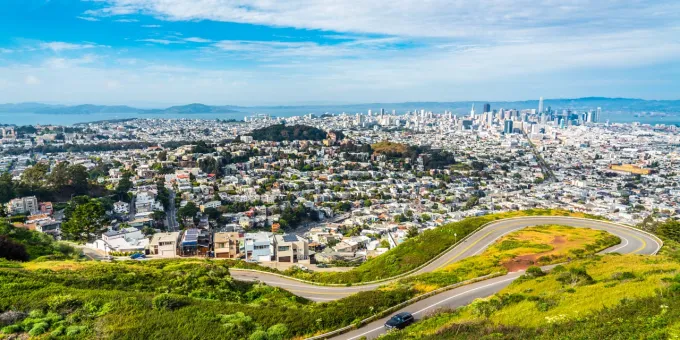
point(164, 244)
point(291, 248)
point(227, 245)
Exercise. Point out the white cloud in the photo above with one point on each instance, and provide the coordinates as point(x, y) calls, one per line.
point(31, 80)
point(197, 40)
point(6, 50)
point(161, 41)
point(58, 46)
point(126, 20)
point(151, 26)
point(88, 18)
point(61, 63)
point(504, 72)
point(434, 18)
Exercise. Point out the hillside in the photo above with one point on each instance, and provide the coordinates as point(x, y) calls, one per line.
point(149, 299)
point(604, 297)
point(23, 245)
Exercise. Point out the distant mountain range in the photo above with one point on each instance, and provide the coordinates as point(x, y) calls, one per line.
point(86, 109)
point(612, 105)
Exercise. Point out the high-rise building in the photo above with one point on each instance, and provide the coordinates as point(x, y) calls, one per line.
point(487, 107)
point(508, 127)
point(540, 105)
point(598, 114)
point(472, 112)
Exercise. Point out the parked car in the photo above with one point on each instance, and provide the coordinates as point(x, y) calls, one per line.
point(137, 256)
point(399, 321)
point(322, 265)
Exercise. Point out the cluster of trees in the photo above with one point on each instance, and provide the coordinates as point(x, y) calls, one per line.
point(669, 229)
point(432, 159)
point(19, 244)
point(84, 219)
point(291, 217)
point(281, 132)
point(63, 181)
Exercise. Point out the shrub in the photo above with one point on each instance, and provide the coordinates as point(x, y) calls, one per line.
point(534, 271)
point(75, 330)
point(168, 301)
point(64, 303)
point(277, 332)
point(12, 250)
point(258, 335)
point(39, 328)
point(12, 329)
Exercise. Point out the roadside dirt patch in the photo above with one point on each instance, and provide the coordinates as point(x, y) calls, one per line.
point(523, 262)
point(520, 262)
point(559, 239)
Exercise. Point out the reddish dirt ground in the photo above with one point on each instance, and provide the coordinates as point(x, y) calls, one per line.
point(523, 262)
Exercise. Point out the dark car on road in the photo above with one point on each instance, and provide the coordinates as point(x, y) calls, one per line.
point(399, 321)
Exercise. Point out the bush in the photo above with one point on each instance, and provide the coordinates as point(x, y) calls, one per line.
point(75, 330)
point(39, 328)
point(64, 303)
point(534, 271)
point(168, 301)
point(12, 329)
point(258, 335)
point(277, 332)
point(11, 250)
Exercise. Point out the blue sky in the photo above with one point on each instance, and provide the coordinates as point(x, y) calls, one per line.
point(263, 52)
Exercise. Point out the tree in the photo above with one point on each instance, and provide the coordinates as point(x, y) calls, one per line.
point(212, 213)
point(6, 187)
point(86, 221)
point(11, 250)
point(78, 178)
point(59, 177)
point(412, 232)
point(34, 176)
point(669, 229)
point(163, 156)
point(124, 185)
point(188, 211)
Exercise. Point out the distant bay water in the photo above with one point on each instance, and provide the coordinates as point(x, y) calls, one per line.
point(70, 119)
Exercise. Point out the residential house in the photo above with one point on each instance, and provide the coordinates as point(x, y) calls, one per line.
point(227, 244)
point(164, 244)
point(291, 248)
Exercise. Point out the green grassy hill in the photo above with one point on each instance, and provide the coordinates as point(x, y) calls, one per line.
point(604, 297)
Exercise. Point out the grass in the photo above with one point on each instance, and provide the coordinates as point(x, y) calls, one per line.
point(416, 251)
point(178, 299)
point(609, 296)
point(540, 245)
point(195, 299)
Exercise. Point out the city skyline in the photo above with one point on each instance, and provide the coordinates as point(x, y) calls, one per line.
point(305, 52)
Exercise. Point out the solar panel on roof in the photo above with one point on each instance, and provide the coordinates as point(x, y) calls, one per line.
point(289, 238)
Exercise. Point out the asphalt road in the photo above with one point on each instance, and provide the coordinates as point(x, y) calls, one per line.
point(632, 242)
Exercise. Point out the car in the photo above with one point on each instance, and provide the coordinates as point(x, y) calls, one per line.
point(322, 265)
point(399, 321)
point(137, 256)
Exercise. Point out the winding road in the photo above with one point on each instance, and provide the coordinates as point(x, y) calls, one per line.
point(633, 241)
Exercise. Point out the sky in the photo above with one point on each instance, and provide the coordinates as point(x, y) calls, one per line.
point(276, 52)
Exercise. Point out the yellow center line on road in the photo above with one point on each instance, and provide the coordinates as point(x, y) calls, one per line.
point(644, 243)
point(473, 244)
